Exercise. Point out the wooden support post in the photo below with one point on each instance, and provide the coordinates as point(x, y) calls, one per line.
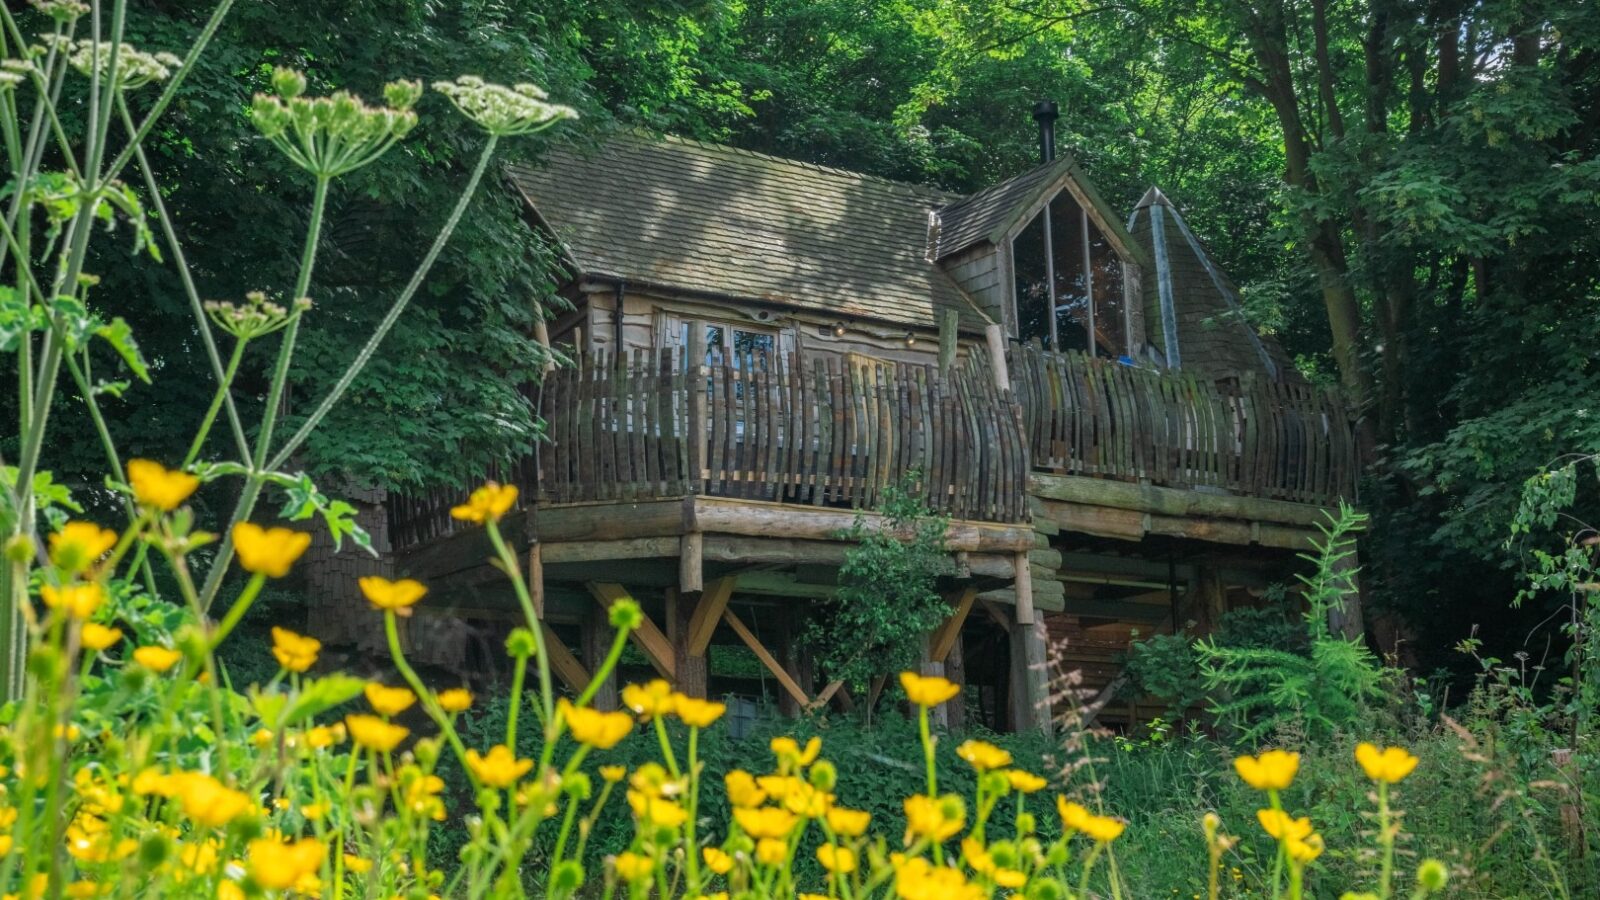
point(597, 637)
point(996, 337)
point(1030, 676)
point(948, 325)
point(541, 335)
point(646, 637)
point(955, 669)
point(692, 672)
point(1024, 586)
point(788, 655)
point(1349, 620)
point(1211, 598)
point(565, 666)
point(536, 578)
point(691, 550)
point(766, 657)
point(707, 613)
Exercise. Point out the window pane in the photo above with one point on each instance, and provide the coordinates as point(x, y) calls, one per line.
point(1033, 291)
point(752, 342)
point(1110, 313)
point(1072, 297)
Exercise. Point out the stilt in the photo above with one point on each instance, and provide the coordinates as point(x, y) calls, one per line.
point(691, 669)
point(597, 636)
point(955, 669)
point(1349, 620)
point(938, 716)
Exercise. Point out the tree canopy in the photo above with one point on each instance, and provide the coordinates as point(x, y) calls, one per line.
point(1406, 190)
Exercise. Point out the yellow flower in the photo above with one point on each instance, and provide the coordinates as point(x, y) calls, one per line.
point(396, 595)
point(374, 733)
point(1273, 770)
point(78, 600)
point(717, 861)
point(743, 792)
point(389, 701)
point(650, 700)
point(806, 801)
point(487, 503)
point(1282, 826)
point(1304, 850)
point(324, 736)
point(421, 793)
point(840, 860)
point(207, 800)
point(360, 865)
point(983, 756)
point(656, 810)
point(1025, 782)
point(455, 700)
point(156, 659)
point(917, 879)
point(613, 774)
point(848, 822)
point(633, 867)
point(771, 851)
point(927, 690)
point(314, 811)
point(1073, 815)
point(78, 544)
point(1103, 829)
point(698, 713)
point(500, 768)
point(278, 866)
point(601, 730)
point(294, 652)
point(789, 752)
point(1010, 878)
point(765, 822)
point(268, 551)
point(157, 486)
point(937, 819)
point(82, 890)
point(1389, 765)
point(98, 637)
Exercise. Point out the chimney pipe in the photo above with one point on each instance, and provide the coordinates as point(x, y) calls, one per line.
point(1045, 112)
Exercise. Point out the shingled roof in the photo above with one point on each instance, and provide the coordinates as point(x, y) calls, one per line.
point(703, 218)
point(1194, 312)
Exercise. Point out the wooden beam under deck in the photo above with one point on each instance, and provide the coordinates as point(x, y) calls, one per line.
point(646, 637)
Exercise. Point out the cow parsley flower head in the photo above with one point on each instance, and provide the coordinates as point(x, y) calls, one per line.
point(501, 110)
point(255, 317)
point(334, 135)
point(62, 10)
point(13, 72)
point(135, 68)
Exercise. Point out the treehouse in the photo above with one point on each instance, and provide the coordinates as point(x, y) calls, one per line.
point(760, 347)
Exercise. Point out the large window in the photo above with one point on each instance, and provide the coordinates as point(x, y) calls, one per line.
point(1069, 282)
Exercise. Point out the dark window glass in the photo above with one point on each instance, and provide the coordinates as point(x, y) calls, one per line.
point(1033, 288)
point(1072, 294)
point(1110, 313)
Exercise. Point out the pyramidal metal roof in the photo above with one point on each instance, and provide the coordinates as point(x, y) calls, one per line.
point(1201, 325)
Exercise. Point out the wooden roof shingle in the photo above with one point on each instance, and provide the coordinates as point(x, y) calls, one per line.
point(704, 218)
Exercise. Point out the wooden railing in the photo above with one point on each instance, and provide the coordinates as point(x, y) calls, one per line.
point(836, 432)
point(1249, 436)
point(820, 431)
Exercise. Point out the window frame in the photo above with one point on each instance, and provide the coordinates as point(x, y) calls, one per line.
point(1041, 207)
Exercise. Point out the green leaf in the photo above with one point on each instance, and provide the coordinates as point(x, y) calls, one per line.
point(120, 336)
point(321, 695)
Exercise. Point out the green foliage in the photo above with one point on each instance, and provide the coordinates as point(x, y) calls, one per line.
point(1260, 690)
point(887, 600)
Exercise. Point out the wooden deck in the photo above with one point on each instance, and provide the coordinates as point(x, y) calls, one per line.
point(834, 433)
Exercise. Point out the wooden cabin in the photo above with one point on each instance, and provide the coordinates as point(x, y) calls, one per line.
point(759, 346)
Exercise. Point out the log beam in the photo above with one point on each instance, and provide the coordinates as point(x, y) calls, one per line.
point(690, 554)
point(563, 663)
point(646, 637)
point(766, 657)
point(945, 636)
point(708, 609)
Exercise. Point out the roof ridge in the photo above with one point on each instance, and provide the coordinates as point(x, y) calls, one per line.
point(712, 146)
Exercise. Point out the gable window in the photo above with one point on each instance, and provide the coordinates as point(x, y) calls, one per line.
point(1069, 282)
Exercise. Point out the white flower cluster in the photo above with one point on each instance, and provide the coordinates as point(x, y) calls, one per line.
point(135, 68)
point(334, 135)
point(62, 10)
point(14, 72)
point(255, 317)
point(501, 110)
